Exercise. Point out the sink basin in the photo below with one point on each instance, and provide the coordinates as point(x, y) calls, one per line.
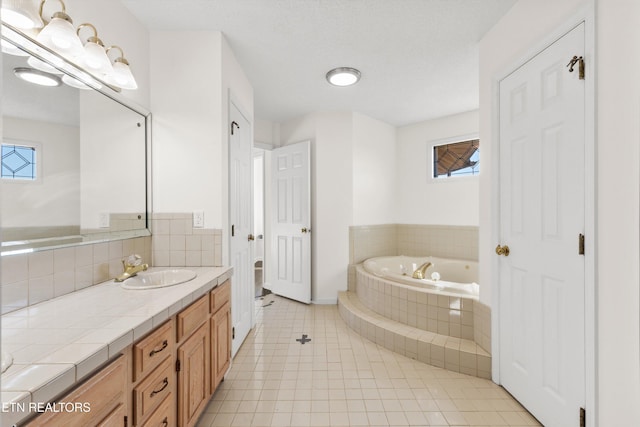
point(7, 360)
point(158, 279)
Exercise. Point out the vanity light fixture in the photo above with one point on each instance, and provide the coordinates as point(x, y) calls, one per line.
point(343, 76)
point(38, 77)
point(57, 40)
point(121, 76)
point(21, 14)
point(58, 34)
point(95, 57)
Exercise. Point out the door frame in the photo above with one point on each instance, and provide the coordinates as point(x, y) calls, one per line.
point(584, 15)
point(233, 100)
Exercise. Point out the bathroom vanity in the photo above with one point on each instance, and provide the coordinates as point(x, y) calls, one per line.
point(157, 364)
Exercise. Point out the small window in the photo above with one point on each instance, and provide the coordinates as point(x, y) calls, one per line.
point(456, 159)
point(19, 162)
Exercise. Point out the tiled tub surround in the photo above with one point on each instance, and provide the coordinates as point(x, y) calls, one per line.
point(446, 241)
point(29, 279)
point(435, 329)
point(177, 244)
point(59, 342)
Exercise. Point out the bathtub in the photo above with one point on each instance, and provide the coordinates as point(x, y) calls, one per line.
point(450, 277)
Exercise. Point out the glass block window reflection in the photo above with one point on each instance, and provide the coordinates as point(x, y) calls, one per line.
point(18, 162)
point(456, 159)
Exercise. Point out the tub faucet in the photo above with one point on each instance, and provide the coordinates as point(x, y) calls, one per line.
point(132, 266)
point(421, 271)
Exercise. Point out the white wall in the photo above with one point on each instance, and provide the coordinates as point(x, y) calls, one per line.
point(423, 200)
point(186, 104)
point(54, 199)
point(618, 137)
point(374, 171)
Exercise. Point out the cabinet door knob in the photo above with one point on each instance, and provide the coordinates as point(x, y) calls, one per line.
point(251, 238)
point(306, 230)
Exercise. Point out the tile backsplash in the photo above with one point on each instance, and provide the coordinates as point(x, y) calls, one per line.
point(177, 244)
point(28, 279)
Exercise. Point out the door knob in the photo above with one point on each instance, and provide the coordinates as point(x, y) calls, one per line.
point(306, 230)
point(250, 237)
point(502, 250)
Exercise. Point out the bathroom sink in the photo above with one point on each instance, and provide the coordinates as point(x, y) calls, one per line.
point(158, 279)
point(7, 360)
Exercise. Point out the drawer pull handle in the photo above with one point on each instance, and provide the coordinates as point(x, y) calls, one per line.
point(165, 343)
point(165, 383)
point(165, 422)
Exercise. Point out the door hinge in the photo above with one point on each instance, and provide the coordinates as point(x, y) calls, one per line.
point(583, 417)
point(580, 61)
point(126, 421)
point(580, 244)
point(233, 230)
point(178, 365)
point(233, 333)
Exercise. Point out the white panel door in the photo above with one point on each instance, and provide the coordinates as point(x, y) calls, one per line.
point(291, 222)
point(541, 308)
point(241, 221)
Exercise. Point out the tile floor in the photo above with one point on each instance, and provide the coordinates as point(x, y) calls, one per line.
point(342, 379)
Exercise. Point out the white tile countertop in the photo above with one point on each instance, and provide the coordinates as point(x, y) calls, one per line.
point(57, 343)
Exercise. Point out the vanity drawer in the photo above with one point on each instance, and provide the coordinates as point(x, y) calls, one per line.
point(220, 296)
point(153, 390)
point(148, 353)
point(164, 416)
point(104, 394)
point(192, 317)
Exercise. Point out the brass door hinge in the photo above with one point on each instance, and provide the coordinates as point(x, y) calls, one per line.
point(583, 417)
point(178, 365)
point(233, 333)
point(581, 244)
point(580, 61)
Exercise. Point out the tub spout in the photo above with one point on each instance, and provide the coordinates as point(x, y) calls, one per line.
point(421, 271)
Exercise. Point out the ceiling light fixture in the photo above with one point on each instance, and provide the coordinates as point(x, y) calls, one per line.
point(343, 76)
point(38, 77)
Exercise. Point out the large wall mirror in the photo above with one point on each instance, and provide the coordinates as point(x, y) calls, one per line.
point(74, 161)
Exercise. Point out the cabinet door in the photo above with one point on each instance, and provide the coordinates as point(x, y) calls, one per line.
point(222, 325)
point(193, 376)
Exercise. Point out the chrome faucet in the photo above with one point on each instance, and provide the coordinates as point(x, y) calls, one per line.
point(421, 271)
point(132, 266)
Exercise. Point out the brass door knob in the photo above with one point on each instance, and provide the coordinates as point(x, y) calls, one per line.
point(250, 237)
point(306, 230)
point(502, 250)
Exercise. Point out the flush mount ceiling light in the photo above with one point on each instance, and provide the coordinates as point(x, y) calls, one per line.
point(21, 14)
point(343, 76)
point(38, 77)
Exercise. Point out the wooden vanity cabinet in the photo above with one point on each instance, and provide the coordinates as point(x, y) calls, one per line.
point(105, 394)
point(220, 326)
point(163, 380)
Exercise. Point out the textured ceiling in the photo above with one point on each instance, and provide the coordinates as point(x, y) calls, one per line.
point(418, 58)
